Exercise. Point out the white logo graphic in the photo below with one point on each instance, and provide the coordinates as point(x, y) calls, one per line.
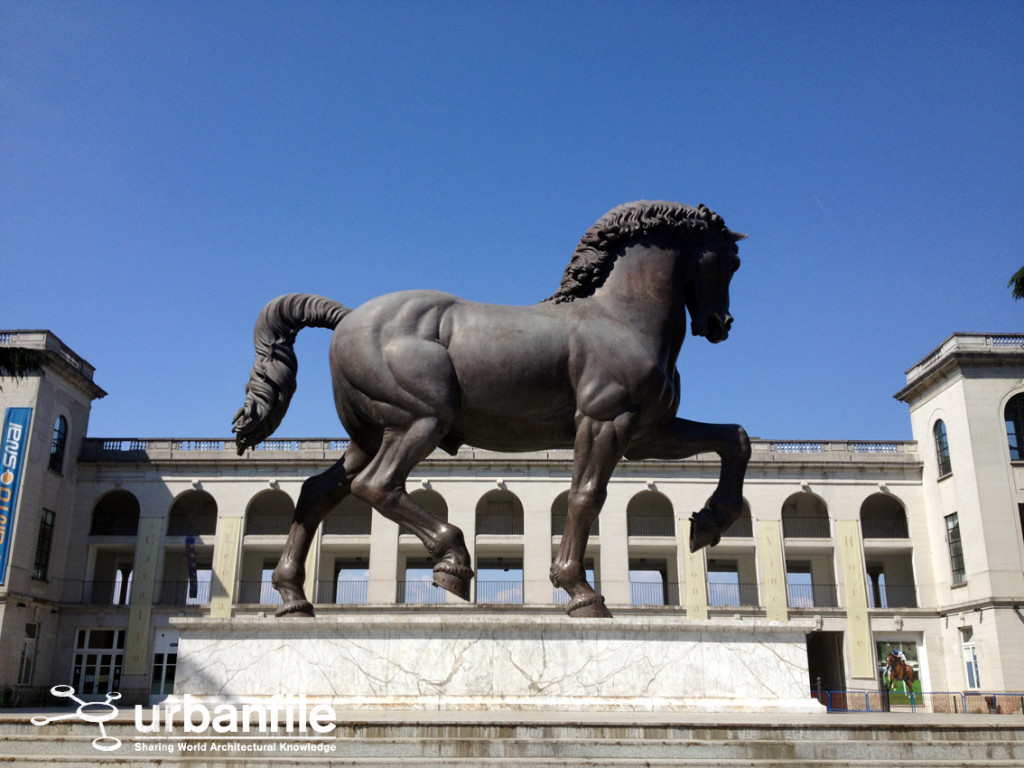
point(90, 712)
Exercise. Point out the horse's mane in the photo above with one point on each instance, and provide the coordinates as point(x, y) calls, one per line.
point(594, 256)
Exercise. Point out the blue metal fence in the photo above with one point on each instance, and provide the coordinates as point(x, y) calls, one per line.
point(945, 702)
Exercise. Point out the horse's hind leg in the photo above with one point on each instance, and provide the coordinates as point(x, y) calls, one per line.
point(319, 495)
point(382, 486)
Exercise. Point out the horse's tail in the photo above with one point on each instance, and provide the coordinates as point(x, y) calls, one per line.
point(272, 379)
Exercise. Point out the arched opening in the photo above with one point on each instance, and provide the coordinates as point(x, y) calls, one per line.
point(882, 517)
point(650, 513)
point(499, 513)
point(115, 514)
point(1014, 416)
point(352, 517)
point(805, 516)
point(890, 572)
point(269, 513)
point(942, 448)
point(193, 513)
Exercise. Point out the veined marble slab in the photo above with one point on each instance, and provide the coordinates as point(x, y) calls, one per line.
point(499, 662)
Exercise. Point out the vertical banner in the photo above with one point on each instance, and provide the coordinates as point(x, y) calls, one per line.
point(12, 458)
point(190, 559)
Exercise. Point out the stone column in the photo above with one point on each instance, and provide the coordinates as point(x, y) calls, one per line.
point(614, 562)
point(772, 559)
point(227, 551)
point(144, 572)
point(536, 499)
point(383, 568)
point(693, 567)
point(851, 558)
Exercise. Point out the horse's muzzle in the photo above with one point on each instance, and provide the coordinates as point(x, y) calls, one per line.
point(716, 328)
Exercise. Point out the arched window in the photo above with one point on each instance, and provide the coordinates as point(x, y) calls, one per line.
point(1014, 415)
point(116, 514)
point(60, 436)
point(193, 513)
point(499, 513)
point(942, 448)
point(805, 516)
point(650, 513)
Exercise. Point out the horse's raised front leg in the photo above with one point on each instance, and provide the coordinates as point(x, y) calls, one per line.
point(599, 446)
point(684, 438)
point(319, 495)
point(382, 486)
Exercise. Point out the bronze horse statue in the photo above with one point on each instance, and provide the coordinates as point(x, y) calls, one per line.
point(592, 368)
point(898, 670)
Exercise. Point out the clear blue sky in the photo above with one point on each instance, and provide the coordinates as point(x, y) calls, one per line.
point(168, 167)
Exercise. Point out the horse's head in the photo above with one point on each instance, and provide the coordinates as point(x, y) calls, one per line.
point(707, 292)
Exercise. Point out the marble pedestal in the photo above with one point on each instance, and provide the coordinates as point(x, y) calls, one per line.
point(463, 661)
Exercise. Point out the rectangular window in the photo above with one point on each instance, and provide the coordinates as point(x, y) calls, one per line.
point(99, 656)
point(164, 666)
point(956, 549)
point(43, 542)
point(28, 654)
point(970, 657)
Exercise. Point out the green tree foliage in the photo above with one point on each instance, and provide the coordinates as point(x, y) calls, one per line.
point(1017, 284)
point(19, 362)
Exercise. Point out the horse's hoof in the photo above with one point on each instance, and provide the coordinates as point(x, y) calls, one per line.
point(588, 607)
point(703, 530)
point(296, 608)
point(453, 578)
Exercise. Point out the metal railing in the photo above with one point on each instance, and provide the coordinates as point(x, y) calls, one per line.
point(105, 593)
point(931, 702)
point(177, 593)
point(884, 528)
point(113, 524)
point(812, 595)
point(501, 592)
point(742, 528)
point(650, 525)
point(274, 524)
point(893, 596)
point(418, 592)
point(720, 595)
point(499, 525)
point(258, 593)
point(342, 592)
point(350, 524)
point(805, 528)
point(192, 525)
point(653, 593)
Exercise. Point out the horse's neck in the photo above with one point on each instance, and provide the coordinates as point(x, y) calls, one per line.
point(645, 289)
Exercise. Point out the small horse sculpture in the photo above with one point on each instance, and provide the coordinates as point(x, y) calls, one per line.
point(898, 670)
point(592, 368)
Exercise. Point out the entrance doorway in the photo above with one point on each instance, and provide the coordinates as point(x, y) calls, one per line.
point(825, 661)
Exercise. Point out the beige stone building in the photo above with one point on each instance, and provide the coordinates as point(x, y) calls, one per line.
point(914, 545)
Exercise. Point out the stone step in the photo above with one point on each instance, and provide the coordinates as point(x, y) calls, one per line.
point(569, 739)
point(559, 751)
point(139, 761)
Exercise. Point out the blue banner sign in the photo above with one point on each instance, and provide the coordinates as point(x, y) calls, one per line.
point(193, 572)
point(12, 458)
